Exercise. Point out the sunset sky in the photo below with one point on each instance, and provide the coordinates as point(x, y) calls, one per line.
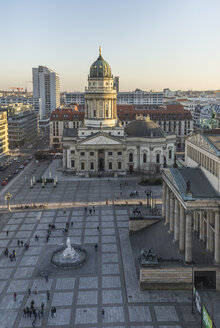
point(150, 44)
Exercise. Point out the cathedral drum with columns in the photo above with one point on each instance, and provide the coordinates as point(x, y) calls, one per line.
point(101, 144)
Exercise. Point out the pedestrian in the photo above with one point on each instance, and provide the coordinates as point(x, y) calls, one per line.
point(46, 277)
point(35, 290)
point(42, 308)
point(32, 304)
point(39, 314)
point(96, 246)
point(90, 211)
point(64, 210)
point(48, 295)
point(7, 233)
point(15, 296)
point(21, 242)
point(98, 228)
point(72, 224)
point(51, 311)
point(29, 292)
point(103, 313)
point(35, 314)
point(85, 209)
point(54, 311)
point(18, 242)
point(24, 313)
point(6, 251)
point(27, 311)
point(34, 323)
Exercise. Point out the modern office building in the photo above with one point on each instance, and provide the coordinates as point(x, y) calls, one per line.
point(3, 136)
point(140, 97)
point(46, 86)
point(22, 128)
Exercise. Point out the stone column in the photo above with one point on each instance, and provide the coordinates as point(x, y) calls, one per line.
point(188, 252)
point(164, 200)
point(202, 230)
point(208, 232)
point(171, 213)
point(217, 237)
point(182, 229)
point(197, 222)
point(194, 221)
point(167, 206)
point(176, 221)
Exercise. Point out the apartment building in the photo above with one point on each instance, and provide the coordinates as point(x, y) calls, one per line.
point(22, 128)
point(46, 86)
point(63, 118)
point(3, 135)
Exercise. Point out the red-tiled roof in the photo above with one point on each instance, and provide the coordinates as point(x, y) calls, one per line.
point(70, 114)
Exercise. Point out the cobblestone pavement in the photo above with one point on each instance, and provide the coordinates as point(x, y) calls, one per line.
point(106, 281)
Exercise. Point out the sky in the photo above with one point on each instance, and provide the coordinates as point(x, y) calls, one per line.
point(150, 44)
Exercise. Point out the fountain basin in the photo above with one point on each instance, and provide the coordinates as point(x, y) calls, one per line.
point(61, 262)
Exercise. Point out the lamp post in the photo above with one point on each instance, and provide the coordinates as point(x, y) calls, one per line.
point(7, 198)
point(148, 197)
point(192, 288)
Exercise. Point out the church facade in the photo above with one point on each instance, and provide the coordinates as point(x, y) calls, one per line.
point(101, 144)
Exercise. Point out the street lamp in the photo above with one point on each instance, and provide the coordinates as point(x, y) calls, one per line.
point(7, 198)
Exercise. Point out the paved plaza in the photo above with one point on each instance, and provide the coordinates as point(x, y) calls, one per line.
point(108, 279)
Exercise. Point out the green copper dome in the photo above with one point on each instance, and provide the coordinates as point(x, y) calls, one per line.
point(100, 68)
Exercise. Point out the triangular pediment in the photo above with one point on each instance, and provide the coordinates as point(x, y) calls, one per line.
point(101, 140)
point(201, 141)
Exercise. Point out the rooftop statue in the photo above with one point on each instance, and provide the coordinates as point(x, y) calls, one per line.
point(148, 257)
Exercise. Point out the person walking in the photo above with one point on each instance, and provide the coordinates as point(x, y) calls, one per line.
point(48, 295)
point(34, 323)
point(46, 277)
point(51, 312)
point(24, 313)
point(15, 296)
point(29, 292)
point(35, 290)
point(103, 313)
point(54, 311)
point(42, 308)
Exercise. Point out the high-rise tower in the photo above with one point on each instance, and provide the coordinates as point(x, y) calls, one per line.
point(46, 86)
point(100, 96)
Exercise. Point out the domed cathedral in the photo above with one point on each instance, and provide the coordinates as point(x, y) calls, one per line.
point(101, 144)
point(100, 96)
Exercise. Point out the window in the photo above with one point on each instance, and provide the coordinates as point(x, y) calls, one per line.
point(106, 113)
point(170, 153)
point(94, 113)
point(119, 153)
point(110, 165)
point(91, 166)
point(82, 166)
point(110, 153)
point(91, 153)
point(72, 152)
point(158, 159)
point(82, 153)
point(72, 163)
point(119, 165)
point(130, 157)
point(144, 158)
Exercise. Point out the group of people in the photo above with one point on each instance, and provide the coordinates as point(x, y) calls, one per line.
point(37, 313)
point(91, 210)
point(51, 227)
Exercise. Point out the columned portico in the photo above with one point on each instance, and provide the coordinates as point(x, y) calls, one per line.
point(186, 213)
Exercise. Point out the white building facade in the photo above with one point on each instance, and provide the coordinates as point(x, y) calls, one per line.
point(46, 86)
point(101, 144)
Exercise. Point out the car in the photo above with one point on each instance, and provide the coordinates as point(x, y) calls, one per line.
point(4, 183)
point(9, 177)
point(18, 161)
point(21, 167)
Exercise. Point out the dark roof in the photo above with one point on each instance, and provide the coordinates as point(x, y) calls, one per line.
point(199, 185)
point(214, 137)
point(69, 132)
point(144, 128)
point(100, 68)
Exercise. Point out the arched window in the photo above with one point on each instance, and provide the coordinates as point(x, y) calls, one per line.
point(130, 157)
point(170, 153)
point(144, 158)
point(158, 159)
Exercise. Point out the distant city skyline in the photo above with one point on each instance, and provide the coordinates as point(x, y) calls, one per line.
point(150, 45)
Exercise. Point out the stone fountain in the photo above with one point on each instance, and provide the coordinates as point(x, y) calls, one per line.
point(69, 256)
